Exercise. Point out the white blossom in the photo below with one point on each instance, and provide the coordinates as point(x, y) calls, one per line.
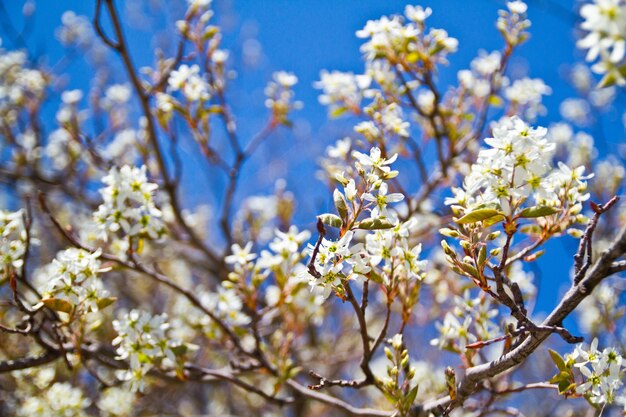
point(343, 90)
point(605, 22)
point(129, 204)
point(13, 238)
point(280, 95)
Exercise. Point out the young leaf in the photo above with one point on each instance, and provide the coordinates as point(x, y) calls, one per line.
point(375, 224)
point(558, 360)
point(105, 302)
point(340, 204)
point(338, 112)
point(537, 211)
point(410, 398)
point(330, 219)
point(478, 215)
point(482, 255)
point(58, 304)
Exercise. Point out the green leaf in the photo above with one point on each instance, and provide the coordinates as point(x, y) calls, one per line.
point(558, 360)
point(375, 224)
point(493, 220)
point(530, 229)
point(58, 304)
point(470, 270)
point(372, 275)
point(179, 350)
point(105, 302)
point(611, 77)
point(562, 376)
point(537, 211)
point(566, 386)
point(495, 101)
point(482, 256)
point(412, 57)
point(478, 215)
point(409, 399)
point(215, 109)
point(340, 204)
point(330, 219)
point(293, 372)
point(338, 112)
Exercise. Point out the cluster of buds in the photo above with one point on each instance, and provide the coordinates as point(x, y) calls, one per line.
point(397, 384)
point(513, 23)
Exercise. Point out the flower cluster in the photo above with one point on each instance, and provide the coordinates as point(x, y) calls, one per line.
point(197, 6)
point(129, 204)
point(188, 80)
point(476, 314)
point(403, 39)
point(343, 91)
point(76, 30)
point(336, 161)
point(20, 86)
point(60, 399)
point(605, 22)
point(289, 293)
point(226, 304)
point(195, 83)
point(335, 261)
point(513, 23)
point(116, 402)
point(142, 340)
point(386, 121)
point(280, 96)
point(512, 181)
point(477, 81)
point(517, 167)
point(73, 283)
point(601, 371)
point(525, 97)
point(259, 215)
point(386, 255)
point(12, 241)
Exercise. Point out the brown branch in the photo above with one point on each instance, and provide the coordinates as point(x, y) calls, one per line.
point(537, 385)
point(324, 382)
point(233, 177)
point(28, 362)
point(337, 403)
point(211, 374)
point(618, 266)
point(585, 247)
point(311, 265)
point(365, 337)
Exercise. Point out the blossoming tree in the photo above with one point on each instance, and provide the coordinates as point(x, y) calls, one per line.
point(412, 296)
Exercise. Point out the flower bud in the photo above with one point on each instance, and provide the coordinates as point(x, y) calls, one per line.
point(449, 232)
point(388, 353)
point(575, 233)
point(447, 249)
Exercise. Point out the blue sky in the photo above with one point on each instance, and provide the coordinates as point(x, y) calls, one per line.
point(305, 36)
